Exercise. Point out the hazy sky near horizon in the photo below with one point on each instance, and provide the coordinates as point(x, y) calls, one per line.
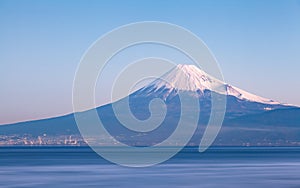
point(255, 42)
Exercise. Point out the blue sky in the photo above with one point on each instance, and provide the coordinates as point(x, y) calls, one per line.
point(41, 42)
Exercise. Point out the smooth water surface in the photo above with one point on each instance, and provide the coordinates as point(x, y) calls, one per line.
point(218, 167)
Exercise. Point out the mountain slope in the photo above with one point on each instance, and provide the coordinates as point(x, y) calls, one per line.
point(242, 108)
point(196, 83)
point(275, 118)
point(191, 78)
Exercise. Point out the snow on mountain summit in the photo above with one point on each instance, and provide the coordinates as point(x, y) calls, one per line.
point(187, 78)
point(191, 78)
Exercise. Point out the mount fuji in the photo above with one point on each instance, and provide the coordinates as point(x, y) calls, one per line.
point(244, 121)
point(191, 78)
point(195, 83)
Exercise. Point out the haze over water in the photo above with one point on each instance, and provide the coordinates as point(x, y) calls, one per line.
point(218, 167)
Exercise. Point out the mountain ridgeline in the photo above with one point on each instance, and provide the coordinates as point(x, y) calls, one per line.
point(249, 119)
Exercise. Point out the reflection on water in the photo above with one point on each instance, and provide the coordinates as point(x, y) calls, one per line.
point(219, 167)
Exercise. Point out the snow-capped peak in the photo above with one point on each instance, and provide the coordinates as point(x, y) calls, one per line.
point(191, 78)
point(185, 77)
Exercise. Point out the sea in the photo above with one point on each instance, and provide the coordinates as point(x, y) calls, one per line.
point(218, 167)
